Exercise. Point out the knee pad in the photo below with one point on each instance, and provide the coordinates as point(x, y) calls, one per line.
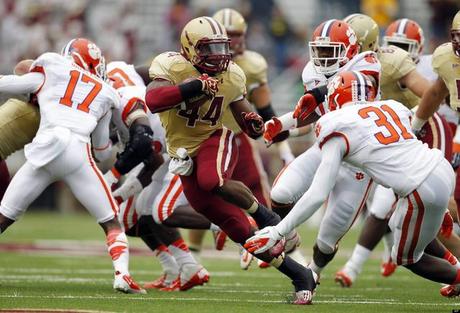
point(238, 230)
point(323, 257)
point(282, 195)
point(281, 209)
point(325, 247)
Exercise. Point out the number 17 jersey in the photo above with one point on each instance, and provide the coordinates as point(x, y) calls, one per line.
point(380, 142)
point(71, 97)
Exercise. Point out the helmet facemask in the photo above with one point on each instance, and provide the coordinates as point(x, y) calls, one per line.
point(327, 56)
point(455, 39)
point(237, 42)
point(409, 45)
point(212, 55)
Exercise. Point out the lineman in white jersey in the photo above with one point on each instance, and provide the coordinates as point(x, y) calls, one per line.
point(347, 199)
point(376, 137)
point(74, 102)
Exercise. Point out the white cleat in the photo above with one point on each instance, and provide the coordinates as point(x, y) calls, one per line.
point(192, 275)
point(245, 259)
point(124, 283)
point(303, 297)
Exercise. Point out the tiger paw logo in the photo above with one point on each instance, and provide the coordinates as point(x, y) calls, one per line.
point(359, 176)
point(317, 129)
point(94, 51)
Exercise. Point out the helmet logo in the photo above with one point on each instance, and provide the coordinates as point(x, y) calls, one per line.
point(351, 36)
point(93, 51)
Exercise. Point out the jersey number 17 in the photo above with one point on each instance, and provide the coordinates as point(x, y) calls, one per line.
point(76, 76)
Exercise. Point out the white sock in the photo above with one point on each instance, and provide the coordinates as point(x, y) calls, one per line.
point(117, 244)
point(181, 253)
point(388, 241)
point(167, 261)
point(356, 262)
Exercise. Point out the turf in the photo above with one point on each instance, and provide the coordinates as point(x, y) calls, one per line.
point(82, 280)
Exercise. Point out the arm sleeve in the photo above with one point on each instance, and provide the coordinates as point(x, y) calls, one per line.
point(102, 145)
point(28, 83)
point(323, 182)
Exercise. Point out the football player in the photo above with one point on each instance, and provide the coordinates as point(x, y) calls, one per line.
point(446, 64)
point(19, 121)
point(74, 102)
point(191, 90)
point(375, 136)
point(400, 80)
point(150, 190)
point(249, 169)
point(334, 48)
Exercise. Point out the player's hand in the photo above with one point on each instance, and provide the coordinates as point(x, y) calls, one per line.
point(263, 240)
point(305, 106)
point(272, 128)
point(209, 85)
point(254, 124)
point(447, 225)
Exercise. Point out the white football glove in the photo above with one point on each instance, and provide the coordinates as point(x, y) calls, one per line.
point(128, 189)
point(182, 165)
point(110, 178)
point(263, 240)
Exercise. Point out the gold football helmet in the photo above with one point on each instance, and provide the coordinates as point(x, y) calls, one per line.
point(205, 44)
point(236, 27)
point(366, 30)
point(455, 34)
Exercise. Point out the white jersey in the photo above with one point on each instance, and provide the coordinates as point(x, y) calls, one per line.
point(126, 73)
point(365, 62)
point(129, 96)
point(71, 97)
point(380, 142)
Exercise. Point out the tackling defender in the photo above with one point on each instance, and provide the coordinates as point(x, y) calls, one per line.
point(376, 137)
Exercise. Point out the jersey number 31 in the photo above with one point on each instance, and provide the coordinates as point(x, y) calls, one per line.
point(390, 124)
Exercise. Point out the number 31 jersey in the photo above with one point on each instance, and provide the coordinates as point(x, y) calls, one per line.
point(188, 128)
point(71, 97)
point(379, 141)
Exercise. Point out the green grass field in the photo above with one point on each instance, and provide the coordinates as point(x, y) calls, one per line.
point(80, 279)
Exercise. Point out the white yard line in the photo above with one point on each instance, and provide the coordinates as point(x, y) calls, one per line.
point(201, 299)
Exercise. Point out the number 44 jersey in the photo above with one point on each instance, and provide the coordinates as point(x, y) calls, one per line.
point(71, 97)
point(189, 124)
point(379, 141)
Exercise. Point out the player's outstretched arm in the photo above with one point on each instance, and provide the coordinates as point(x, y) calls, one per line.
point(324, 180)
point(24, 84)
point(430, 102)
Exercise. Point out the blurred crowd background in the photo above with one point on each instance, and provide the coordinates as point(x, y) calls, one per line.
point(137, 30)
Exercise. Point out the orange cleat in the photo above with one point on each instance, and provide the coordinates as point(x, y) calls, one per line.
point(163, 281)
point(343, 279)
point(195, 275)
point(450, 291)
point(388, 268)
point(219, 239)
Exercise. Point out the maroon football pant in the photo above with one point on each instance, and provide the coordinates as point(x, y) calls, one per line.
point(4, 178)
point(214, 163)
point(249, 169)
